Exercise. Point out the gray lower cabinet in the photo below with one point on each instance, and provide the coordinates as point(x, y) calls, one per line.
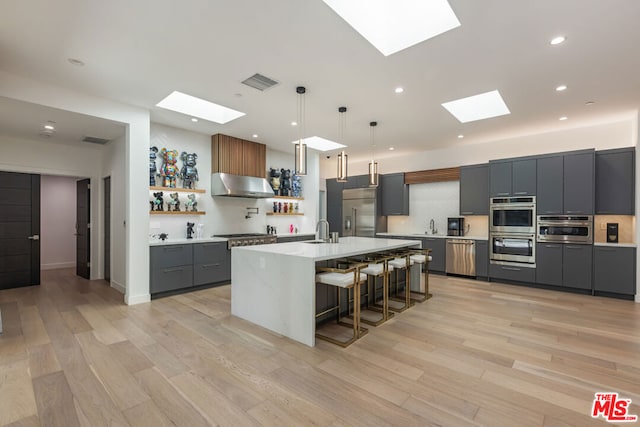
point(512, 273)
point(549, 264)
point(482, 258)
point(438, 253)
point(614, 270)
point(550, 175)
point(171, 268)
point(579, 183)
point(474, 190)
point(395, 194)
point(615, 182)
point(300, 238)
point(334, 204)
point(212, 263)
point(577, 263)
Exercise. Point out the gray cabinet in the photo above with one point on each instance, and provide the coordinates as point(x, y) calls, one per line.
point(438, 253)
point(334, 204)
point(614, 270)
point(499, 178)
point(515, 177)
point(171, 268)
point(577, 263)
point(615, 182)
point(212, 263)
point(395, 194)
point(482, 258)
point(550, 176)
point(579, 183)
point(474, 190)
point(296, 238)
point(549, 264)
point(512, 273)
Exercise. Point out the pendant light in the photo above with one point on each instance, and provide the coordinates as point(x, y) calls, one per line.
point(300, 147)
point(373, 165)
point(342, 157)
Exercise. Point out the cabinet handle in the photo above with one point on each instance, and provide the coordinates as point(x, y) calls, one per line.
point(574, 212)
point(518, 193)
point(207, 245)
point(573, 247)
point(173, 249)
point(551, 246)
point(511, 268)
point(606, 249)
point(467, 213)
point(552, 212)
point(172, 270)
point(502, 194)
point(217, 264)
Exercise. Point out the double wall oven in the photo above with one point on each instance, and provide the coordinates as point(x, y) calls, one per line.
point(512, 230)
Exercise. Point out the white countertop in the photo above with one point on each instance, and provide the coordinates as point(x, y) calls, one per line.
point(617, 245)
point(347, 246)
point(158, 242)
point(437, 236)
point(294, 234)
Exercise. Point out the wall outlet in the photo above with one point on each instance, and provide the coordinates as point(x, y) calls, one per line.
point(603, 226)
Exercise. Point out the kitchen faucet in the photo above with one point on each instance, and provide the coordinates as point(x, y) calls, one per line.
point(432, 226)
point(324, 235)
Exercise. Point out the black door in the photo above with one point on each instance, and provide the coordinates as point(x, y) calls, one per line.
point(19, 230)
point(83, 232)
point(107, 228)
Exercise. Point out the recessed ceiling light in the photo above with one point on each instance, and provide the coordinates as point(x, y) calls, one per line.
point(477, 107)
point(393, 26)
point(561, 88)
point(193, 119)
point(399, 90)
point(320, 144)
point(49, 127)
point(557, 40)
point(563, 118)
point(589, 103)
point(76, 62)
point(294, 123)
point(460, 136)
point(255, 135)
point(192, 106)
point(392, 148)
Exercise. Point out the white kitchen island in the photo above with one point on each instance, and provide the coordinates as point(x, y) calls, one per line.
point(274, 285)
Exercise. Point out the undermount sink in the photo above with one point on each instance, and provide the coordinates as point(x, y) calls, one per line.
point(314, 242)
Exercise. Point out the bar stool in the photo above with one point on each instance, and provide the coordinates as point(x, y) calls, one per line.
point(377, 266)
point(343, 278)
point(402, 261)
point(422, 257)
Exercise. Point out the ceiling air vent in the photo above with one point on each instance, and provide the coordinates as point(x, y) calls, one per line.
point(95, 140)
point(260, 82)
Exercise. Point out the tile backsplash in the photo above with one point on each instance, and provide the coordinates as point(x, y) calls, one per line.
point(626, 228)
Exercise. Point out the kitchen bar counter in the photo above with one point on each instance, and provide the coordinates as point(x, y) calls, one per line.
point(158, 242)
point(274, 285)
point(437, 236)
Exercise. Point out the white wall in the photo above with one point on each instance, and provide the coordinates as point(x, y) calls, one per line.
point(57, 222)
point(226, 215)
point(113, 165)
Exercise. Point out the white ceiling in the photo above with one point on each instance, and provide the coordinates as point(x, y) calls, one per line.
point(137, 52)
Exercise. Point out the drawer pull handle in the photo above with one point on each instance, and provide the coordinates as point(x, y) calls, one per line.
point(172, 270)
point(520, 192)
point(551, 246)
point(573, 247)
point(606, 249)
point(211, 265)
point(511, 268)
point(467, 213)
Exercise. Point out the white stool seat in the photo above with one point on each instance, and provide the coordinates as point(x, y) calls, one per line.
point(420, 259)
point(399, 263)
point(373, 269)
point(343, 280)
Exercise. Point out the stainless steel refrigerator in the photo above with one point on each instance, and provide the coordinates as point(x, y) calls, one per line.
point(361, 208)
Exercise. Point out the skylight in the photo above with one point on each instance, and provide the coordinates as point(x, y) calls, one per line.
point(478, 107)
point(320, 144)
point(392, 25)
point(196, 107)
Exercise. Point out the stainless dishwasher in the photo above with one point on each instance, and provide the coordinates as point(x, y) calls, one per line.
point(461, 257)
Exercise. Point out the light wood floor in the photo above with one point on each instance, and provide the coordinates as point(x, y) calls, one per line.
point(476, 354)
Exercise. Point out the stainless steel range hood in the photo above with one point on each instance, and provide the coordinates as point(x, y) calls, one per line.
point(251, 187)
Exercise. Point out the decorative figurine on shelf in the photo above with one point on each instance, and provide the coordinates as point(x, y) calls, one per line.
point(296, 207)
point(275, 206)
point(158, 202)
point(285, 182)
point(296, 186)
point(286, 207)
point(274, 180)
point(163, 236)
point(290, 207)
point(173, 201)
point(279, 207)
point(190, 226)
point(191, 203)
point(152, 165)
point(189, 172)
point(169, 169)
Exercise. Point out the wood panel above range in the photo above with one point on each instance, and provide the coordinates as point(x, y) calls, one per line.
point(238, 156)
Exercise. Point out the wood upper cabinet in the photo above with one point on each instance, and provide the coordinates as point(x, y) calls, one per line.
point(237, 156)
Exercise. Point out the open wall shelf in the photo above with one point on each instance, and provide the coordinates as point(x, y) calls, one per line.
point(287, 198)
point(179, 190)
point(175, 213)
point(283, 214)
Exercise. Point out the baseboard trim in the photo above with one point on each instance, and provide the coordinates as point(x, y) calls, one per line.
point(136, 299)
point(118, 287)
point(57, 265)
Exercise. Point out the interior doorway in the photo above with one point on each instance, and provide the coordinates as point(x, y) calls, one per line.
point(83, 228)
